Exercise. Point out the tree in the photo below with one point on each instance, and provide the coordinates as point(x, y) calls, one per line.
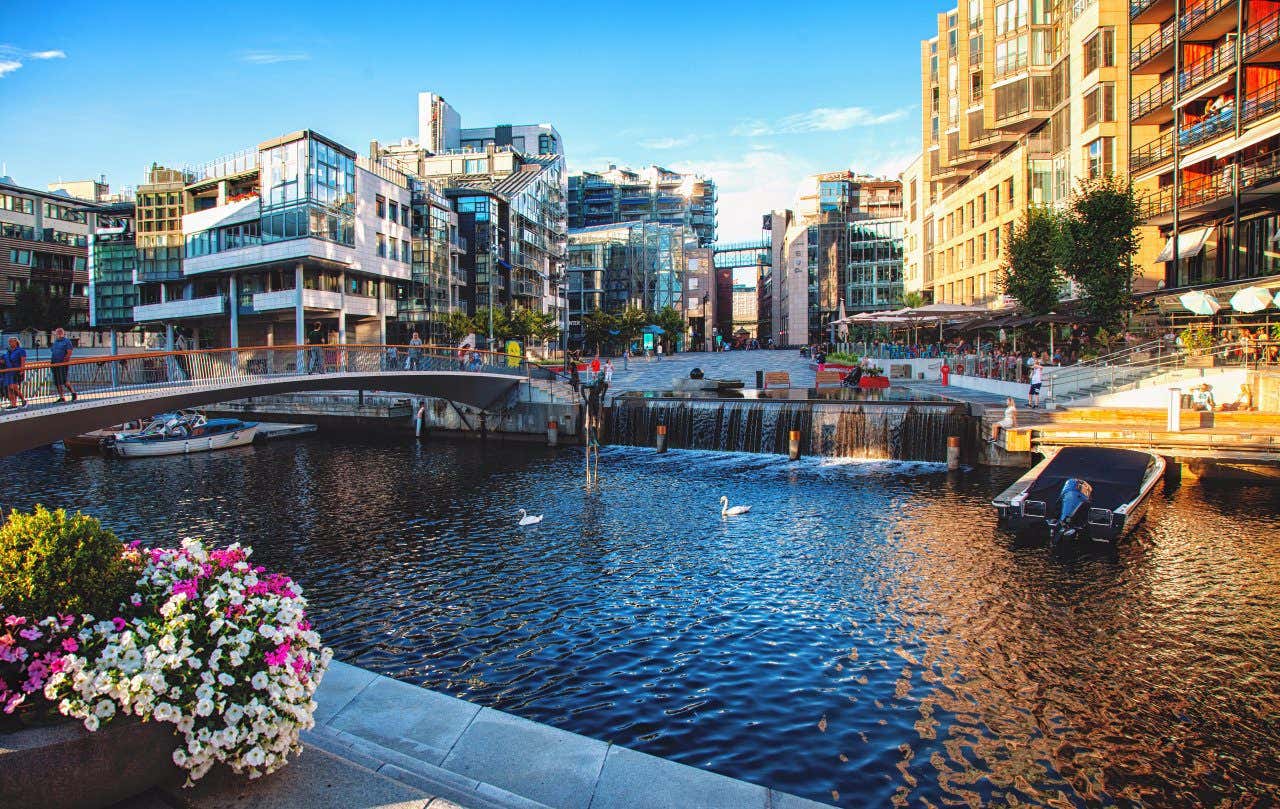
point(522, 324)
point(631, 322)
point(547, 326)
point(913, 300)
point(597, 326)
point(458, 325)
point(671, 322)
point(501, 325)
point(1033, 256)
point(1102, 239)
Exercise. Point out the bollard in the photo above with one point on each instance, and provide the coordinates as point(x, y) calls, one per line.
point(662, 438)
point(793, 445)
point(553, 433)
point(759, 380)
point(1175, 411)
point(953, 452)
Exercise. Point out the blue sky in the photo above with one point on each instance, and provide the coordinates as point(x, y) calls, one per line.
point(757, 95)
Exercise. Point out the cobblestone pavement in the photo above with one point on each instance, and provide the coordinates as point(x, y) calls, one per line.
point(657, 374)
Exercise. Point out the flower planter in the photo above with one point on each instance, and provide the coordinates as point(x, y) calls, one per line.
point(64, 766)
point(835, 366)
point(874, 382)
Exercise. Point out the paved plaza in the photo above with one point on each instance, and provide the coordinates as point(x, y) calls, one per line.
point(657, 374)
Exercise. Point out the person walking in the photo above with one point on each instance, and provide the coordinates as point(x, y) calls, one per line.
point(1037, 379)
point(659, 349)
point(14, 359)
point(59, 354)
point(626, 358)
point(608, 371)
point(415, 353)
point(315, 339)
point(595, 367)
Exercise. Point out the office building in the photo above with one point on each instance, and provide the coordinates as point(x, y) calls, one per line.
point(745, 310)
point(113, 264)
point(440, 130)
point(1205, 156)
point(735, 263)
point(700, 299)
point(44, 246)
point(652, 194)
point(1021, 101)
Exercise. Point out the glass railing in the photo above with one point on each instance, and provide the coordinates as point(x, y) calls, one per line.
point(1214, 126)
point(1153, 153)
point(1261, 102)
point(1222, 59)
point(1158, 96)
point(1153, 45)
point(1199, 12)
point(1262, 33)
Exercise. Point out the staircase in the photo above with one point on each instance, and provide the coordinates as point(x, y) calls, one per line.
point(1149, 365)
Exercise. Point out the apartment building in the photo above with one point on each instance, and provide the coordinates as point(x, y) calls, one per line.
point(652, 194)
point(1205, 79)
point(1021, 99)
point(440, 130)
point(914, 251)
point(746, 312)
point(44, 244)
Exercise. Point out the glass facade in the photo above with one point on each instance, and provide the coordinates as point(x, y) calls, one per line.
point(112, 261)
point(309, 189)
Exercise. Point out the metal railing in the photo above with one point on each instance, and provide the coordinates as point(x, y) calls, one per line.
point(1152, 153)
point(1156, 203)
point(1262, 33)
point(1199, 12)
point(1261, 102)
point(1136, 7)
point(1215, 125)
point(1153, 45)
point(1206, 189)
point(1158, 96)
point(1221, 59)
point(115, 375)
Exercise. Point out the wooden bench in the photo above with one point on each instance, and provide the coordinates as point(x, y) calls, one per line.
point(826, 378)
point(777, 379)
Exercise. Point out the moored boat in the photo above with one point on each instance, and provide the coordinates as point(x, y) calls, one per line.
point(1095, 493)
point(185, 433)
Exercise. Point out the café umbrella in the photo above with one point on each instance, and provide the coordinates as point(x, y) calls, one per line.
point(1251, 299)
point(1200, 303)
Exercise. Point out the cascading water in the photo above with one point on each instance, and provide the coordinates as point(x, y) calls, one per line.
point(909, 431)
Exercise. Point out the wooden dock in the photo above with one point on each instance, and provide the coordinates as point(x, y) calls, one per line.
point(270, 431)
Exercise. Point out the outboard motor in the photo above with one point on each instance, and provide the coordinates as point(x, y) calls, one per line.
point(1073, 510)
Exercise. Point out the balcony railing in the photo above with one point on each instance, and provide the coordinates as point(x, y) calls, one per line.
point(1153, 153)
point(1262, 33)
point(1153, 45)
point(1222, 59)
point(1199, 12)
point(1156, 203)
point(1262, 169)
point(1158, 96)
point(1138, 6)
point(1216, 125)
point(1206, 189)
point(1261, 102)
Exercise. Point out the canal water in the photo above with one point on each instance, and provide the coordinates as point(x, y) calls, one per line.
point(866, 636)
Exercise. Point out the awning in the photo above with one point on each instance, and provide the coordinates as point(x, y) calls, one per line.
point(1249, 139)
point(1190, 243)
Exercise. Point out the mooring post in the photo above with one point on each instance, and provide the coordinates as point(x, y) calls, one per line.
point(662, 438)
point(553, 433)
point(793, 445)
point(1174, 416)
point(953, 452)
point(759, 379)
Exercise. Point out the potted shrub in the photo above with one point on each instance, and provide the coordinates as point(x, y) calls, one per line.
point(172, 660)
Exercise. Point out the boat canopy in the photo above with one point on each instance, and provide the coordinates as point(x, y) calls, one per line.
point(1116, 474)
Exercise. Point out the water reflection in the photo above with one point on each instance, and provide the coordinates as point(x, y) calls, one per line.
point(865, 633)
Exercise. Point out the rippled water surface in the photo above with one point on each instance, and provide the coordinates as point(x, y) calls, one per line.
point(865, 636)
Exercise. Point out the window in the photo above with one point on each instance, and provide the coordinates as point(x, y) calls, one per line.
point(19, 204)
point(546, 144)
point(480, 166)
point(1098, 157)
point(382, 245)
point(1010, 15)
point(406, 255)
point(20, 257)
point(393, 211)
point(975, 86)
point(381, 207)
point(1011, 56)
point(1100, 104)
point(1100, 50)
point(404, 215)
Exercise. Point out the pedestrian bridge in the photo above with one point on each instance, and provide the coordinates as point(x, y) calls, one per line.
point(120, 387)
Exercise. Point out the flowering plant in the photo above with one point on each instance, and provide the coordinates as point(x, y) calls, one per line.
point(30, 652)
point(213, 645)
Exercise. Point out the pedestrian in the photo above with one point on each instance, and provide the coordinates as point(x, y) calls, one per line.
point(626, 358)
point(659, 349)
point(420, 418)
point(181, 344)
point(14, 359)
point(316, 339)
point(59, 354)
point(415, 353)
point(595, 367)
point(608, 371)
point(1037, 378)
point(575, 381)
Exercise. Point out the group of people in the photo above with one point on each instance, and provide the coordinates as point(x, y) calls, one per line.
point(1202, 399)
point(13, 373)
point(595, 374)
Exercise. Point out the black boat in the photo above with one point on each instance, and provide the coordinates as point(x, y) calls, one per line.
point(1092, 493)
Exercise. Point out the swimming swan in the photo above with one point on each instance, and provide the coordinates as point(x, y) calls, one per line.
point(725, 511)
point(529, 519)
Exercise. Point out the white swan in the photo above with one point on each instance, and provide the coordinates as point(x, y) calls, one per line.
point(725, 511)
point(529, 519)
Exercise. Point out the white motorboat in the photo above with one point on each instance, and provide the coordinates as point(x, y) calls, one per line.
point(184, 434)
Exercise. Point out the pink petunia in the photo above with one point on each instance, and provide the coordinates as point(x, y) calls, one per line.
point(14, 620)
point(31, 633)
point(301, 663)
point(70, 645)
point(279, 656)
point(119, 623)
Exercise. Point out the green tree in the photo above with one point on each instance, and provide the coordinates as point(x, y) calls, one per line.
point(671, 322)
point(547, 326)
point(522, 324)
point(631, 322)
point(501, 325)
point(913, 300)
point(597, 325)
point(459, 324)
point(1102, 239)
point(1031, 273)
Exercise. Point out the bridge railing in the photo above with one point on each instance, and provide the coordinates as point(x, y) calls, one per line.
point(140, 372)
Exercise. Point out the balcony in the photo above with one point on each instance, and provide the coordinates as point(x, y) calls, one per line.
point(1142, 12)
point(1155, 106)
point(1204, 192)
point(361, 305)
point(1215, 126)
point(1222, 60)
point(1152, 154)
point(1157, 204)
point(175, 310)
point(1261, 103)
point(1204, 20)
point(1262, 174)
point(288, 299)
point(1155, 53)
point(1262, 39)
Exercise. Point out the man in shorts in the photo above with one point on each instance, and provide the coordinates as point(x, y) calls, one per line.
point(59, 354)
point(1037, 379)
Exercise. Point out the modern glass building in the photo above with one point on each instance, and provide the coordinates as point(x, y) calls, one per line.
point(113, 261)
point(653, 194)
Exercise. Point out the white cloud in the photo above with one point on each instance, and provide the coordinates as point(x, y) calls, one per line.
point(7, 66)
point(47, 55)
point(12, 58)
point(668, 143)
point(758, 181)
point(274, 57)
point(819, 119)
